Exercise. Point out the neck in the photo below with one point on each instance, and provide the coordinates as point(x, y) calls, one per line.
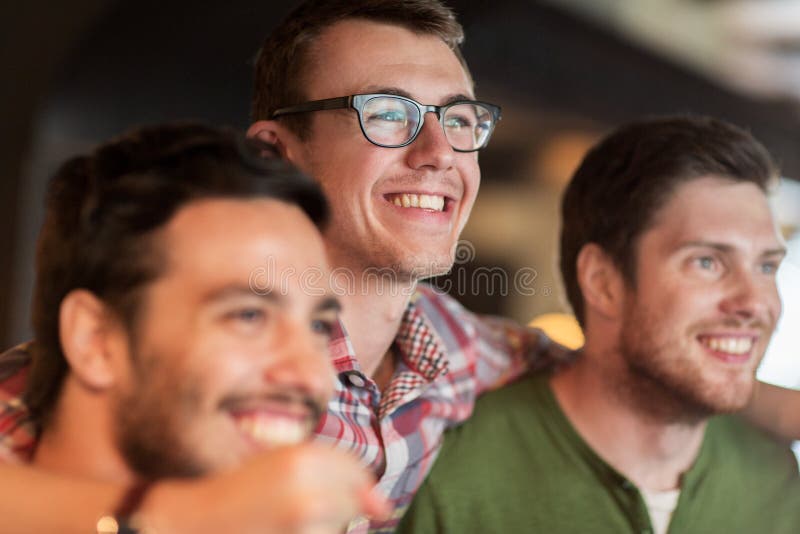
point(651, 452)
point(78, 440)
point(373, 307)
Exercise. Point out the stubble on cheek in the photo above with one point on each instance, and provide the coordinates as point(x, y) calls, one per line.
point(152, 423)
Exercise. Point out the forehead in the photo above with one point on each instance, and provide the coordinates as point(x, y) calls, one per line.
point(356, 55)
point(717, 210)
point(222, 241)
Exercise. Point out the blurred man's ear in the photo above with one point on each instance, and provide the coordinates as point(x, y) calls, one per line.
point(91, 339)
point(289, 146)
point(601, 283)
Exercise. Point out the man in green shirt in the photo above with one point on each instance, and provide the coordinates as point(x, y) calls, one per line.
point(668, 253)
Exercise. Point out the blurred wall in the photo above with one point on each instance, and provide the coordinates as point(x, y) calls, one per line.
point(35, 42)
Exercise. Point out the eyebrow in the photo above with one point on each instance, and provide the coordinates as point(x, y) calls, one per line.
point(329, 304)
point(722, 247)
point(236, 291)
point(455, 97)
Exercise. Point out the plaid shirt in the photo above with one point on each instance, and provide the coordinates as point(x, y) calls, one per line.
point(446, 357)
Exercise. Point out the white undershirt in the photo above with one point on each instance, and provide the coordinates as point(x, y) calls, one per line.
point(660, 504)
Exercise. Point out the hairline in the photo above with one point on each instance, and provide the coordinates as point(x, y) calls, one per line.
point(308, 48)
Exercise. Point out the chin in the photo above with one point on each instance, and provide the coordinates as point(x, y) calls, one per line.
point(434, 264)
point(733, 399)
point(429, 270)
point(408, 264)
point(720, 395)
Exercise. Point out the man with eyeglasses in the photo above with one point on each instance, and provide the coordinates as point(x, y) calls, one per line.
point(375, 101)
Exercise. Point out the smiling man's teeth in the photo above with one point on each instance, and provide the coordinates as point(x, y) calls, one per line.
point(730, 345)
point(274, 431)
point(410, 200)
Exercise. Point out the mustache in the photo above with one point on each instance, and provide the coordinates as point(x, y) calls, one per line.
point(754, 323)
point(416, 178)
point(314, 407)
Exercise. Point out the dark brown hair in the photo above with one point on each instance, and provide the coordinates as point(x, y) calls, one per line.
point(625, 179)
point(103, 211)
point(282, 62)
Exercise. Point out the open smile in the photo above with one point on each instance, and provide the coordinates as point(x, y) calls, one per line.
point(730, 348)
point(431, 202)
point(273, 421)
point(267, 429)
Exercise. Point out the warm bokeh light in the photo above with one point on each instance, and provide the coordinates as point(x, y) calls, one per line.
point(561, 328)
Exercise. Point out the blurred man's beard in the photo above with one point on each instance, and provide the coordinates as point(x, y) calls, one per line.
point(663, 375)
point(148, 424)
point(155, 421)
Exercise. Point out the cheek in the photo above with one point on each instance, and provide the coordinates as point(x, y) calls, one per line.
point(347, 185)
point(218, 363)
point(471, 174)
point(775, 304)
point(684, 308)
point(669, 292)
point(668, 310)
point(343, 164)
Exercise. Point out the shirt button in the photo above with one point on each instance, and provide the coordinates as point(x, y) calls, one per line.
point(356, 380)
point(627, 485)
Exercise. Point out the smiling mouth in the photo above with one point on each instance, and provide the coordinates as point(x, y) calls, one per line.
point(270, 430)
point(734, 346)
point(274, 420)
point(419, 201)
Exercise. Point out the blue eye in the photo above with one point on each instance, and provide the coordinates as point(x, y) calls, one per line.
point(323, 327)
point(391, 115)
point(456, 123)
point(706, 262)
point(248, 315)
point(769, 267)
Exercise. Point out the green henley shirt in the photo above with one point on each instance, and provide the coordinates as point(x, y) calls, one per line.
point(518, 465)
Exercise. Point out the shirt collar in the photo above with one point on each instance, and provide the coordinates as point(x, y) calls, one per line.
point(416, 341)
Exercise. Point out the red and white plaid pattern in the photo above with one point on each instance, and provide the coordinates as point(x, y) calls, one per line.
point(17, 429)
point(447, 356)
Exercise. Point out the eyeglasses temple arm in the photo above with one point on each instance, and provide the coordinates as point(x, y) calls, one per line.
point(341, 102)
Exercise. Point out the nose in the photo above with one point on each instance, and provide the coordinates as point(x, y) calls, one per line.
point(301, 362)
point(752, 297)
point(431, 148)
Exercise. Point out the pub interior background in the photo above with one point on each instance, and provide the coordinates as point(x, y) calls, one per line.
point(565, 71)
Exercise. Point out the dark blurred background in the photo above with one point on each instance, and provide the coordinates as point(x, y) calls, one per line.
point(565, 71)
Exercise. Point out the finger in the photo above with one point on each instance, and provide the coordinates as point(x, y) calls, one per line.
point(373, 504)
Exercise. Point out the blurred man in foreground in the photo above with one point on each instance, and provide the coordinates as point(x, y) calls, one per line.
point(668, 252)
point(165, 348)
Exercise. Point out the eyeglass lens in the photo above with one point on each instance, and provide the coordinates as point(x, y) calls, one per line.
point(391, 121)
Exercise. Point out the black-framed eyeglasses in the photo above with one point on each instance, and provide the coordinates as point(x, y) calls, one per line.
point(393, 121)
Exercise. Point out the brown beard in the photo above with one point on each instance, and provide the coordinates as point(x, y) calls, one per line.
point(151, 419)
point(661, 382)
point(656, 394)
point(146, 426)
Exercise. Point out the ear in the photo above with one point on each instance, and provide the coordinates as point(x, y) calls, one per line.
point(289, 146)
point(91, 339)
point(600, 281)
